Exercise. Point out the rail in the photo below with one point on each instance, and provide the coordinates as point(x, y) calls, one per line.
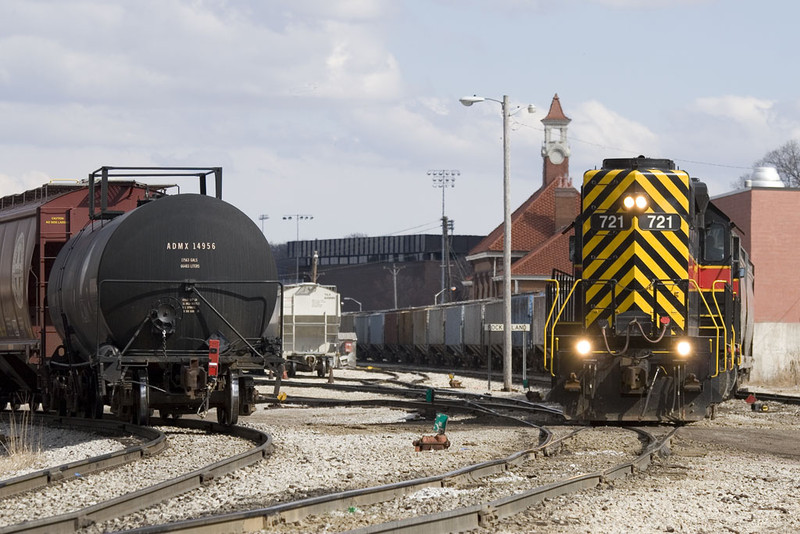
point(156, 441)
point(138, 500)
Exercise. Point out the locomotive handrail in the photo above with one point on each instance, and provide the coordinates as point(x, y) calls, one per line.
point(553, 327)
point(713, 318)
point(547, 321)
point(724, 328)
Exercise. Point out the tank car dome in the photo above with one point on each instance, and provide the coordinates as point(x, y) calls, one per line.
point(764, 177)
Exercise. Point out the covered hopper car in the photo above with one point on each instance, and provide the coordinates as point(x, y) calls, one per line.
point(454, 335)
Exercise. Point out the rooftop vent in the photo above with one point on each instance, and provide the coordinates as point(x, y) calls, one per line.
point(764, 177)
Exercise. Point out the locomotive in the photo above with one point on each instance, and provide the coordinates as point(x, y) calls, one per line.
point(655, 323)
point(122, 295)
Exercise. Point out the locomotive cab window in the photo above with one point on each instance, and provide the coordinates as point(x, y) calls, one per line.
point(714, 240)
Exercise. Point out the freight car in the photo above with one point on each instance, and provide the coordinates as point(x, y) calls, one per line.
point(311, 334)
point(453, 335)
point(655, 323)
point(116, 293)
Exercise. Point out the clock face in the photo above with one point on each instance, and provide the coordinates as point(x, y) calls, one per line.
point(556, 156)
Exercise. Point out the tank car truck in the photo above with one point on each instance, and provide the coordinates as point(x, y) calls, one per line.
point(655, 322)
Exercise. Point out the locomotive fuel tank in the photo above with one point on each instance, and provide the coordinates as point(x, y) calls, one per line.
point(164, 279)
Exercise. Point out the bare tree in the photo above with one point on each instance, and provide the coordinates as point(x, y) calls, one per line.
point(786, 159)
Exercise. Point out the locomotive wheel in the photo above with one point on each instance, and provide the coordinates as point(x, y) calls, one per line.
point(141, 400)
point(229, 413)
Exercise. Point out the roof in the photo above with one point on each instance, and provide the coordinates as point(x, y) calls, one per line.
point(552, 254)
point(556, 113)
point(532, 224)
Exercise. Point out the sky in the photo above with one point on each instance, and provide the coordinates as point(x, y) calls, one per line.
point(337, 110)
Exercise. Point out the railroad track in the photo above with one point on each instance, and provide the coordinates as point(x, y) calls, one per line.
point(150, 495)
point(769, 397)
point(153, 442)
point(272, 517)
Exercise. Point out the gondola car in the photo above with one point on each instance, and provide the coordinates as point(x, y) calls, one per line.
point(655, 322)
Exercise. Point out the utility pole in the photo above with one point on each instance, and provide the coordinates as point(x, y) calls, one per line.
point(394, 269)
point(443, 179)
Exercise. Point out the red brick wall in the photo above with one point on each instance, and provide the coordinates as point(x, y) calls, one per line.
point(770, 219)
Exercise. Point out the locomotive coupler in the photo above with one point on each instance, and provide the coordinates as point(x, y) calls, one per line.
point(634, 378)
point(572, 383)
point(692, 383)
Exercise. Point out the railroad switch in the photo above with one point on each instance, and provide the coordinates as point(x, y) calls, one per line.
point(432, 443)
point(760, 407)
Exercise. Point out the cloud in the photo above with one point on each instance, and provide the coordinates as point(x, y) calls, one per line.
point(745, 110)
point(597, 133)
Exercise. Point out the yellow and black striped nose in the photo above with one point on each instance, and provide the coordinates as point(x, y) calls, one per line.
point(635, 251)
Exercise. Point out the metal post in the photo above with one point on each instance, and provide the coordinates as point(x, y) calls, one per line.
point(297, 217)
point(506, 252)
point(524, 359)
point(444, 179)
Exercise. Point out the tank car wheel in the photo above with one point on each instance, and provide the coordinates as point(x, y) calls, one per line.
point(141, 400)
point(229, 413)
point(278, 379)
point(166, 415)
point(291, 369)
point(94, 401)
point(324, 367)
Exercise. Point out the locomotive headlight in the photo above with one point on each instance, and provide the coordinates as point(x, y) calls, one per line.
point(684, 348)
point(583, 348)
point(628, 202)
point(638, 201)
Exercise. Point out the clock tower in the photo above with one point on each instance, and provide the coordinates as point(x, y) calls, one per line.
point(555, 149)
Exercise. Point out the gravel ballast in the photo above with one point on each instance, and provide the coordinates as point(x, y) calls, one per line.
point(737, 473)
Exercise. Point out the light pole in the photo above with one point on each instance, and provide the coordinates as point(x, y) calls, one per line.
point(468, 101)
point(354, 300)
point(263, 218)
point(297, 218)
point(436, 296)
point(444, 179)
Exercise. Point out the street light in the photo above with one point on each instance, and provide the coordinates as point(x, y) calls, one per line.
point(444, 179)
point(354, 300)
point(297, 218)
point(436, 296)
point(468, 101)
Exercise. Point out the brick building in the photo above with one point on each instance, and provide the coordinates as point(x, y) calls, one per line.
point(538, 244)
point(768, 217)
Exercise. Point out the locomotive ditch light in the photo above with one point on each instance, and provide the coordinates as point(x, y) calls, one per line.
point(683, 348)
point(583, 348)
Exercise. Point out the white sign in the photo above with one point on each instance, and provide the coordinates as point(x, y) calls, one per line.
point(517, 327)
